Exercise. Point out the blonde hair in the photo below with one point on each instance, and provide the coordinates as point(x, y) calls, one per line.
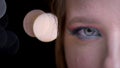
point(58, 8)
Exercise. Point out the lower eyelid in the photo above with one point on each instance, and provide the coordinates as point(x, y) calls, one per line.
point(88, 40)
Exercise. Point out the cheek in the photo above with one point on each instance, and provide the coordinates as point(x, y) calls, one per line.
point(84, 55)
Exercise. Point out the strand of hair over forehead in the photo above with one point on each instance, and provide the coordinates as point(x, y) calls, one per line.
point(58, 8)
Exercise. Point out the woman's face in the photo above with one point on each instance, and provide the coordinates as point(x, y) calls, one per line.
point(92, 34)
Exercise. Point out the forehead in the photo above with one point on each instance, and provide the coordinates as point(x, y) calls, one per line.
point(99, 9)
point(80, 5)
point(93, 2)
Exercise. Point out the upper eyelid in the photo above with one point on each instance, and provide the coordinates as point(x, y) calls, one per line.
point(84, 26)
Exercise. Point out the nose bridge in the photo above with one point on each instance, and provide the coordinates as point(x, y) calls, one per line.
point(113, 45)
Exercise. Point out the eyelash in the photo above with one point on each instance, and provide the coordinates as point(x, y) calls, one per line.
point(80, 32)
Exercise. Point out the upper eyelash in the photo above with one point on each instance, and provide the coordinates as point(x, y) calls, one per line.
point(84, 27)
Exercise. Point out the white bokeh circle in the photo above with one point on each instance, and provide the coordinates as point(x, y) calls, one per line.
point(45, 27)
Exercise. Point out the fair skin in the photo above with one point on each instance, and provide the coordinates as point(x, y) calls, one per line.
point(101, 20)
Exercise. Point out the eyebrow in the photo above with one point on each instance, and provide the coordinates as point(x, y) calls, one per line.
point(84, 20)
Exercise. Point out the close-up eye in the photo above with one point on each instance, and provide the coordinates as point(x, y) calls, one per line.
point(87, 33)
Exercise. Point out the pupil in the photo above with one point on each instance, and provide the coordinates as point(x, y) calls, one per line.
point(89, 30)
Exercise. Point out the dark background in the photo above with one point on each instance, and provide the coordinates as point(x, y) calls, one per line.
point(31, 51)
